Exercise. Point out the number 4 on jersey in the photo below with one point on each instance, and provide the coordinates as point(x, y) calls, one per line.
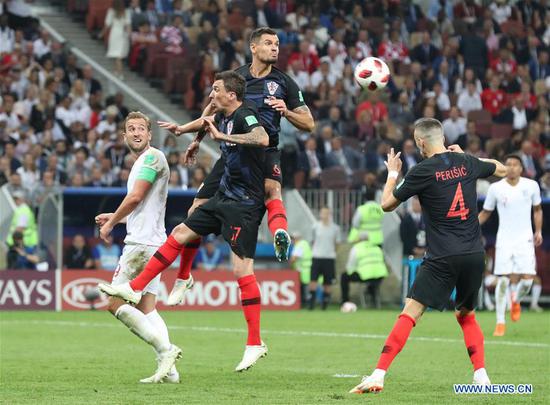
point(458, 209)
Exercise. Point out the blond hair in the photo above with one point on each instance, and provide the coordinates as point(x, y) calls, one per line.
point(137, 115)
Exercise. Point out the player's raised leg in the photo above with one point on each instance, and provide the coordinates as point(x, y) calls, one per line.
point(522, 289)
point(276, 216)
point(251, 302)
point(394, 344)
point(161, 260)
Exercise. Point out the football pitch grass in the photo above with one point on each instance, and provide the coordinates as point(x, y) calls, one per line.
point(314, 358)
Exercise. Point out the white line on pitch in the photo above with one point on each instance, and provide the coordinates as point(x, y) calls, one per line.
point(278, 332)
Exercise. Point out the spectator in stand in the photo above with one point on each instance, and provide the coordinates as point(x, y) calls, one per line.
point(377, 109)
point(209, 257)
point(297, 72)
point(437, 5)
point(93, 86)
point(393, 49)
point(336, 61)
point(140, 41)
point(401, 112)
point(473, 145)
point(500, 11)
point(199, 174)
point(539, 68)
point(363, 45)
point(454, 128)
point(344, 157)
point(77, 180)
point(7, 35)
point(78, 255)
point(441, 98)
point(119, 22)
point(409, 155)
point(505, 63)
point(493, 98)
point(529, 99)
point(413, 231)
point(324, 74)
point(474, 50)
point(468, 11)
point(173, 35)
point(21, 256)
point(81, 162)
point(30, 175)
point(425, 53)
point(531, 166)
point(46, 187)
point(469, 100)
point(106, 254)
point(310, 162)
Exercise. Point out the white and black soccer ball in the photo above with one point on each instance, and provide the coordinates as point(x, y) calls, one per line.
point(372, 73)
point(348, 307)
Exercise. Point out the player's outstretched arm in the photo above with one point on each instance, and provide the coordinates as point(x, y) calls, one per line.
point(389, 202)
point(300, 116)
point(129, 204)
point(257, 137)
point(500, 169)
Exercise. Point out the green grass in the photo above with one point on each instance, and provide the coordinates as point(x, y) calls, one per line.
point(88, 357)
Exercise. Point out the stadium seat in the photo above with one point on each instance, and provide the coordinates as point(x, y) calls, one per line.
point(97, 10)
point(334, 178)
point(483, 129)
point(501, 131)
point(480, 116)
point(299, 179)
point(176, 76)
point(357, 178)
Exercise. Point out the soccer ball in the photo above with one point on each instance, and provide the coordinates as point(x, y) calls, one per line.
point(372, 73)
point(348, 307)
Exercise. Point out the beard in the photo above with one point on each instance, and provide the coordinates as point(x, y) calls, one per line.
point(269, 60)
point(137, 150)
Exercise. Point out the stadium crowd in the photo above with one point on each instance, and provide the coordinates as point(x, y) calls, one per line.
point(480, 67)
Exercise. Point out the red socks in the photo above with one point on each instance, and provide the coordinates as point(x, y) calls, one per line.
point(396, 340)
point(188, 254)
point(473, 338)
point(276, 216)
point(161, 260)
point(251, 302)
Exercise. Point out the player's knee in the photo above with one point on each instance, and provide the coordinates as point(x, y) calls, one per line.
point(462, 312)
point(178, 231)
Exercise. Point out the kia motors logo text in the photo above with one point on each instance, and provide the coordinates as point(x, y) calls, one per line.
point(74, 293)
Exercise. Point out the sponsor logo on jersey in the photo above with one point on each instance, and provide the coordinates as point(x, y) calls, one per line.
point(272, 87)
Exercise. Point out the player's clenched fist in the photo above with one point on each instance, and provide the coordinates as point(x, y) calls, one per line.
point(101, 219)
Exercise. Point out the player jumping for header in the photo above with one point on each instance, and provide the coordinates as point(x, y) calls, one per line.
point(235, 211)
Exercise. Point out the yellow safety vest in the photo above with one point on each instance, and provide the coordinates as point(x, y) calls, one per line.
point(371, 222)
point(369, 262)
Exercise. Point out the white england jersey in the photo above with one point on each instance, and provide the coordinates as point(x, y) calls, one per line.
point(513, 204)
point(145, 225)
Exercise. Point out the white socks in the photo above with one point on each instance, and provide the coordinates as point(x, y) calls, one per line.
point(139, 324)
point(481, 377)
point(535, 295)
point(158, 323)
point(501, 294)
point(524, 286)
point(378, 373)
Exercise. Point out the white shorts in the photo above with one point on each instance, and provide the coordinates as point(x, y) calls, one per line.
point(131, 263)
point(515, 261)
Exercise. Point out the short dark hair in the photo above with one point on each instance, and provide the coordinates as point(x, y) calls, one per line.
point(234, 82)
point(258, 32)
point(370, 194)
point(514, 156)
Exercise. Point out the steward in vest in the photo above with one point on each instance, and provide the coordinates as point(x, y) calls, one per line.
point(367, 220)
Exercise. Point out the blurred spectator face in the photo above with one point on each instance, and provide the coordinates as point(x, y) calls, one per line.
point(527, 147)
point(426, 38)
point(77, 180)
point(137, 135)
point(210, 245)
point(106, 165)
point(408, 147)
point(543, 57)
point(7, 102)
point(96, 174)
point(60, 147)
point(519, 103)
point(4, 165)
point(471, 88)
point(336, 144)
point(454, 114)
point(495, 83)
point(326, 133)
point(80, 157)
point(403, 98)
point(444, 68)
point(174, 180)
point(15, 180)
point(28, 161)
point(87, 72)
point(514, 168)
point(198, 175)
point(363, 36)
point(394, 36)
point(383, 149)
point(469, 75)
point(79, 242)
point(48, 178)
point(9, 150)
point(311, 144)
point(266, 49)
point(334, 114)
point(471, 128)
point(173, 158)
point(429, 112)
point(369, 179)
point(474, 144)
point(325, 214)
point(416, 69)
